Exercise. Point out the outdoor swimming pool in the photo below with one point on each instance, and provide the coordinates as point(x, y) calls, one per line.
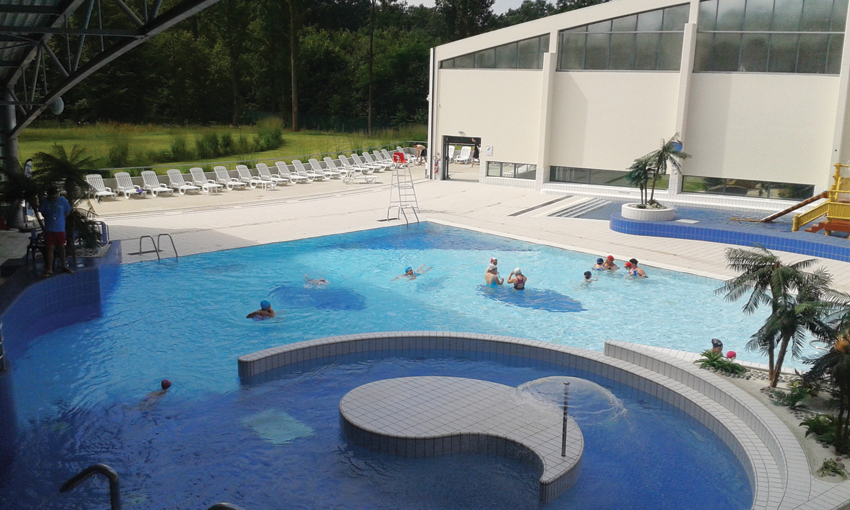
point(77, 389)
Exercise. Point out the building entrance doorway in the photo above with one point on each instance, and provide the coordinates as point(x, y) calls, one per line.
point(456, 169)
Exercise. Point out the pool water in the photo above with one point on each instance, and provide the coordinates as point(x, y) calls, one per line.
point(77, 389)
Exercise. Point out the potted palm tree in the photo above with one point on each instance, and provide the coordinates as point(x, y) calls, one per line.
point(644, 173)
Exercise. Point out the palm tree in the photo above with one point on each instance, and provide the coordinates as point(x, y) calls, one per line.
point(639, 175)
point(670, 154)
point(796, 299)
point(15, 187)
point(835, 366)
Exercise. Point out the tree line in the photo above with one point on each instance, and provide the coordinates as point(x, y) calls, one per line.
point(318, 64)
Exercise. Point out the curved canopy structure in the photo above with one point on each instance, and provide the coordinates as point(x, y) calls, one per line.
point(49, 46)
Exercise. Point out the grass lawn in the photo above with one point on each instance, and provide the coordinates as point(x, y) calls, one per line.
point(143, 140)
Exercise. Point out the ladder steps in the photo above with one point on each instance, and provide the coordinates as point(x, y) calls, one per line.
point(576, 210)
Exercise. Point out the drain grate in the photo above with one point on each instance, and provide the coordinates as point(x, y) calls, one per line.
point(576, 210)
point(541, 205)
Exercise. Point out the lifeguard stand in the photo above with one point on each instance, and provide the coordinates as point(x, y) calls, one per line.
point(402, 193)
point(836, 208)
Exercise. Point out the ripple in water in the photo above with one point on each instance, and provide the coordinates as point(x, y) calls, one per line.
point(539, 299)
point(588, 402)
point(317, 297)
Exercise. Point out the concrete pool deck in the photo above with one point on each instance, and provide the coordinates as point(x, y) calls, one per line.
point(237, 219)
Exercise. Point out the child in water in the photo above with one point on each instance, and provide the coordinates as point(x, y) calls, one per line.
point(588, 277)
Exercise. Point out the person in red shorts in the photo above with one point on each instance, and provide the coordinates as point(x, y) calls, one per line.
point(54, 209)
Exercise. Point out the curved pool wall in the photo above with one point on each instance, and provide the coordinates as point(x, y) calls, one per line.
point(773, 459)
point(823, 246)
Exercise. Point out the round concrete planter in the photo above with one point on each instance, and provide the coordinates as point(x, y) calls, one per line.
point(632, 212)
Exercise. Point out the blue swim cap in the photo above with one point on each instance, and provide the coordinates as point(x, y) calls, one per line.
point(264, 304)
point(408, 269)
point(599, 260)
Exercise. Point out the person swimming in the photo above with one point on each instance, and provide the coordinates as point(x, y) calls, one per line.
point(410, 274)
point(492, 276)
point(609, 264)
point(518, 279)
point(600, 264)
point(638, 272)
point(314, 281)
point(265, 311)
point(151, 398)
point(588, 277)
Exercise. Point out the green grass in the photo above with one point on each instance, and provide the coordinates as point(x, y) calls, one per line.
point(144, 139)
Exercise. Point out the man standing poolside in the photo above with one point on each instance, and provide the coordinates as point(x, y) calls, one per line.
point(54, 209)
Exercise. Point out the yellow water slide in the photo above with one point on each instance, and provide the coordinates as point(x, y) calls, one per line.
point(836, 208)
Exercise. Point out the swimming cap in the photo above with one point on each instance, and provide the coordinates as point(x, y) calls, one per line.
point(491, 267)
point(408, 269)
point(628, 264)
point(494, 260)
point(715, 342)
point(587, 274)
point(600, 260)
point(264, 304)
point(731, 354)
point(517, 271)
point(610, 257)
point(165, 384)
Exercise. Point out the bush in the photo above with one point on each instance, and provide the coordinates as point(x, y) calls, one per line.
point(226, 144)
point(269, 134)
point(822, 425)
point(711, 359)
point(242, 145)
point(119, 155)
point(207, 146)
point(180, 150)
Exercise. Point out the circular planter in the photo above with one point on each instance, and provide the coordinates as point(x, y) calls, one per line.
point(632, 212)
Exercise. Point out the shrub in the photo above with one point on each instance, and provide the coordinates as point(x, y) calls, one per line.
point(269, 134)
point(822, 425)
point(226, 144)
point(180, 150)
point(242, 145)
point(833, 468)
point(207, 146)
point(118, 155)
point(711, 359)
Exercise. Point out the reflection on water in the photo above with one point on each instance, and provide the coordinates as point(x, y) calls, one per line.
point(539, 299)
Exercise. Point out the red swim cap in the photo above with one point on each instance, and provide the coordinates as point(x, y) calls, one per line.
point(731, 354)
point(628, 264)
point(165, 384)
point(610, 257)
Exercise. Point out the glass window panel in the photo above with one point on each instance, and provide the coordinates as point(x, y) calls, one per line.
point(650, 21)
point(544, 46)
point(816, 15)
point(702, 58)
point(675, 18)
point(622, 52)
point(579, 175)
point(833, 62)
point(448, 64)
point(790, 191)
point(601, 27)
point(572, 51)
point(730, 14)
point(670, 58)
point(465, 61)
point(691, 184)
point(783, 53)
point(787, 14)
point(596, 54)
point(839, 15)
point(812, 54)
point(707, 15)
point(727, 49)
point(758, 14)
point(527, 51)
point(485, 59)
point(506, 56)
point(626, 24)
point(508, 170)
point(526, 172)
point(754, 53)
point(609, 178)
point(494, 169)
point(647, 51)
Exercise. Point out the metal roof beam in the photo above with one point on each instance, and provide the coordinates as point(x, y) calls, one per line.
point(8, 30)
point(29, 9)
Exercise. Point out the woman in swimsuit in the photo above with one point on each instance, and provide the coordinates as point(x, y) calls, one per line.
point(492, 276)
point(517, 278)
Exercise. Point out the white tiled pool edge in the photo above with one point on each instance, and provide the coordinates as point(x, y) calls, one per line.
point(770, 454)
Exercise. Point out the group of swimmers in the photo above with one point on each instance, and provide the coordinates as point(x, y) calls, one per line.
point(491, 276)
point(608, 264)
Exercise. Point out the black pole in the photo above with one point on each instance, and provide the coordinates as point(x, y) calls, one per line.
point(564, 432)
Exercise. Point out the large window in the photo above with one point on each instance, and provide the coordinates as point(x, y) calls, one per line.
point(649, 41)
point(512, 170)
point(596, 177)
point(525, 54)
point(745, 188)
point(771, 36)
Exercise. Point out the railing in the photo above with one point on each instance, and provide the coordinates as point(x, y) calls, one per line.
point(156, 246)
point(806, 217)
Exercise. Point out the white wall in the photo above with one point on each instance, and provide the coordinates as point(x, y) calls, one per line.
point(604, 120)
point(771, 127)
point(501, 107)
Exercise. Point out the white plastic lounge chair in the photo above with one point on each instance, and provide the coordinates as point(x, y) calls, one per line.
point(451, 152)
point(387, 156)
point(99, 190)
point(381, 158)
point(369, 161)
point(329, 172)
point(358, 162)
point(284, 173)
point(303, 172)
point(266, 174)
point(253, 181)
point(152, 184)
point(125, 185)
point(223, 177)
point(464, 156)
point(331, 163)
point(199, 178)
point(176, 181)
point(355, 172)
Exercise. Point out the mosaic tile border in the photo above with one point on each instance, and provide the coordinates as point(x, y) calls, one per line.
point(771, 456)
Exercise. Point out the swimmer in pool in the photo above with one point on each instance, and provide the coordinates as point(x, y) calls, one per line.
point(637, 272)
point(151, 398)
point(492, 276)
point(314, 281)
point(609, 264)
point(265, 311)
point(588, 277)
point(410, 274)
point(600, 264)
point(517, 278)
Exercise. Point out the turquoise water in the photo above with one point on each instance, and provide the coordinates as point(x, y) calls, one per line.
point(77, 390)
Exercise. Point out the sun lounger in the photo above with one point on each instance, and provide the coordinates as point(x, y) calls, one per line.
point(222, 176)
point(366, 167)
point(331, 163)
point(251, 180)
point(98, 189)
point(266, 175)
point(379, 164)
point(125, 185)
point(464, 156)
point(284, 173)
point(152, 185)
point(303, 171)
point(176, 181)
point(329, 172)
point(354, 172)
point(199, 178)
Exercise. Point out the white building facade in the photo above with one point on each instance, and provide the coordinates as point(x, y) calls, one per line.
point(756, 89)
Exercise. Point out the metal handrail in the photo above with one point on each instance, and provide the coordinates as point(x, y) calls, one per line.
point(172, 244)
point(155, 247)
point(103, 469)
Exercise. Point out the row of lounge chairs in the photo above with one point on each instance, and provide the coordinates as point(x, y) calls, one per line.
point(348, 168)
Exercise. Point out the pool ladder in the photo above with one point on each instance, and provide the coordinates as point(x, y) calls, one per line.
point(114, 486)
point(156, 246)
